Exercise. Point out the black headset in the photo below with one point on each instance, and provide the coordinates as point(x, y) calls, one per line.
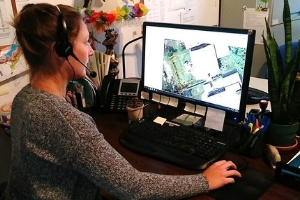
point(62, 46)
point(64, 49)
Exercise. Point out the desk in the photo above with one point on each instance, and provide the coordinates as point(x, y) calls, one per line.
point(111, 125)
point(107, 125)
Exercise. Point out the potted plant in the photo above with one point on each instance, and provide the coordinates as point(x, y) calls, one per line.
point(134, 108)
point(283, 84)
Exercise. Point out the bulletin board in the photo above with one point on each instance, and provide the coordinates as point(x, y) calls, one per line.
point(276, 7)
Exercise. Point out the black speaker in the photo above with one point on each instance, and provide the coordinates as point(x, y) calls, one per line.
point(62, 46)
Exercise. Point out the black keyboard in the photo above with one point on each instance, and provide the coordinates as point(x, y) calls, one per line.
point(256, 95)
point(181, 145)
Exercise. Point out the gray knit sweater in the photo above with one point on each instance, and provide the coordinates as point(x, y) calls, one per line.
point(58, 153)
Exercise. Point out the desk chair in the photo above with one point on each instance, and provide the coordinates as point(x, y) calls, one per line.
point(282, 51)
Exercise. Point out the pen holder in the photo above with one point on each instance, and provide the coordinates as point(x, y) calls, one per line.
point(251, 145)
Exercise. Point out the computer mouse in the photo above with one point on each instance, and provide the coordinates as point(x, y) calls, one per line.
point(236, 178)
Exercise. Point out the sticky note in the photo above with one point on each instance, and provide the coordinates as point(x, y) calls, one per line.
point(156, 97)
point(144, 95)
point(160, 120)
point(200, 110)
point(215, 119)
point(164, 99)
point(173, 102)
point(189, 107)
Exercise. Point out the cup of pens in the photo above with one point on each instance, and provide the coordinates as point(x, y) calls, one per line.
point(252, 134)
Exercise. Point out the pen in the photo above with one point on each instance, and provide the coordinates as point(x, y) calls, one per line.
point(250, 125)
point(249, 141)
point(256, 131)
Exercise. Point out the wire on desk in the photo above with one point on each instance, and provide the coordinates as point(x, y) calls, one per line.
point(229, 133)
point(245, 165)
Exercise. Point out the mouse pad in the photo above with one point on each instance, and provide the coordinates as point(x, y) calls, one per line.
point(251, 186)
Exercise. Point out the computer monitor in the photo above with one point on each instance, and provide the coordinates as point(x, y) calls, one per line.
point(200, 65)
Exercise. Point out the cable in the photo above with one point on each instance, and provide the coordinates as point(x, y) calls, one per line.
point(93, 87)
point(123, 53)
point(69, 85)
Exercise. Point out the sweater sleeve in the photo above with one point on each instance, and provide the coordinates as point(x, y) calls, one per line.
point(71, 139)
point(102, 164)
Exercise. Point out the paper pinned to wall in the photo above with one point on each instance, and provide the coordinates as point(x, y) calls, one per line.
point(7, 32)
point(189, 14)
point(174, 16)
point(12, 62)
point(172, 11)
point(154, 13)
point(255, 20)
point(176, 4)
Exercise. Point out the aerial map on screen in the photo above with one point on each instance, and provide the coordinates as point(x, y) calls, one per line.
point(203, 71)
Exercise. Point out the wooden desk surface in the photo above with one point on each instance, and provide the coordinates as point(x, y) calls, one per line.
point(111, 125)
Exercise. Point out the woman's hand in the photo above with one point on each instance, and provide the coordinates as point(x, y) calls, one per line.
point(221, 173)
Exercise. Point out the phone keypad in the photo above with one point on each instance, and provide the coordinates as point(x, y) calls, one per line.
point(118, 103)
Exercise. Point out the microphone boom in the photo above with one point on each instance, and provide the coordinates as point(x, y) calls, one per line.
point(93, 74)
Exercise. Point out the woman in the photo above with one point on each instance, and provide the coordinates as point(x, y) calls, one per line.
point(57, 151)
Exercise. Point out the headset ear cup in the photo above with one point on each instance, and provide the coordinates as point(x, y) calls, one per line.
point(63, 48)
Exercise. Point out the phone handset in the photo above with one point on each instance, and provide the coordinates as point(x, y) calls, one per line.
point(106, 85)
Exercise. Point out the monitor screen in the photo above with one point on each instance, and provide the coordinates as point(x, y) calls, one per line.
point(206, 66)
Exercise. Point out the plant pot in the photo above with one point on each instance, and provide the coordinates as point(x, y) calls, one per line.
point(134, 109)
point(282, 135)
point(135, 114)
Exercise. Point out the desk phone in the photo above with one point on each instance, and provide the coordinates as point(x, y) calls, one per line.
point(115, 93)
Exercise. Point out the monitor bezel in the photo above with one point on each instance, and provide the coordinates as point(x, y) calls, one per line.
point(231, 116)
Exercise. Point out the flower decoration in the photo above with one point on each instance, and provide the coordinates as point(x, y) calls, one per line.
point(102, 20)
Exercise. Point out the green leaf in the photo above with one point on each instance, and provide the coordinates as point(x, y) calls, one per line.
point(288, 33)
